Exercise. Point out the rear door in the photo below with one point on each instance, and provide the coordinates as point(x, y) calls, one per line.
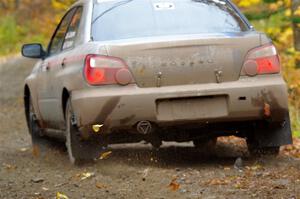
point(48, 103)
point(62, 71)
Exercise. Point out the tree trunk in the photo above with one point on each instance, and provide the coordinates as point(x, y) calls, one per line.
point(17, 4)
point(3, 5)
point(296, 24)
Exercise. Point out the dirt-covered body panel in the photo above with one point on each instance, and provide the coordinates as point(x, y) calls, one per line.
point(232, 101)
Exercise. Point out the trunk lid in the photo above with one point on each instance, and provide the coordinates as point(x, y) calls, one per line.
point(182, 60)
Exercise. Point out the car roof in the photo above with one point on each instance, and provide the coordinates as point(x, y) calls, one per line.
point(80, 2)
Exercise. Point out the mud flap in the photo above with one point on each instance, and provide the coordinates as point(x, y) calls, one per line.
point(274, 134)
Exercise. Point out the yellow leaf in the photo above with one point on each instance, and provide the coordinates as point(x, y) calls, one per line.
point(105, 155)
point(248, 3)
point(297, 12)
point(86, 175)
point(97, 127)
point(61, 196)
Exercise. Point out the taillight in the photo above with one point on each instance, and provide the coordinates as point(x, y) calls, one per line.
point(104, 70)
point(262, 60)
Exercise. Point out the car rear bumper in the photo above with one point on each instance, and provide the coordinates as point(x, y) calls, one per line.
point(242, 100)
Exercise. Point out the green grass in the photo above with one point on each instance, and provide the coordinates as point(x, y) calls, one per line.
point(296, 134)
point(13, 35)
point(9, 35)
point(295, 118)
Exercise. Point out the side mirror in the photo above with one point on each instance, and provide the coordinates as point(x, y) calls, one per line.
point(33, 51)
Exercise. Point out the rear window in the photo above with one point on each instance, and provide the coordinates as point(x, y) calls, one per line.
point(114, 20)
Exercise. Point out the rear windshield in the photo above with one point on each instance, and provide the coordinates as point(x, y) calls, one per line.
point(124, 19)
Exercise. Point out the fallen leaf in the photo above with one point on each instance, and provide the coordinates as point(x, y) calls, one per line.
point(97, 127)
point(227, 168)
point(256, 167)
point(238, 185)
point(61, 196)
point(267, 110)
point(9, 166)
point(86, 175)
point(218, 182)
point(292, 150)
point(105, 155)
point(45, 189)
point(24, 149)
point(100, 185)
point(174, 185)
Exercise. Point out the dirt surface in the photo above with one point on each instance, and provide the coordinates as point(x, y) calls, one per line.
point(132, 171)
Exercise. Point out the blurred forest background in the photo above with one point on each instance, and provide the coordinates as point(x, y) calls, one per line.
point(25, 21)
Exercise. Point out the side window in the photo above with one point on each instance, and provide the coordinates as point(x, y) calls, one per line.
point(73, 30)
point(59, 35)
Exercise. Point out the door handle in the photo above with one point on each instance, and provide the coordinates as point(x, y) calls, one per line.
point(46, 66)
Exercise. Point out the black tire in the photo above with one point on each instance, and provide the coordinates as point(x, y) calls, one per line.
point(255, 150)
point(156, 144)
point(205, 144)
point(79, 150)
point(33, 126)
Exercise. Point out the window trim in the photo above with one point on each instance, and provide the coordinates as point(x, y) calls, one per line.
point(57, 28)
point(241, 17)
point(67, 49)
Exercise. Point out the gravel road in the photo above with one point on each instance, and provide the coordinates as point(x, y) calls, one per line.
point(131, 171)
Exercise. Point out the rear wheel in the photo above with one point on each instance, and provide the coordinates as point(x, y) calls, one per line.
point(207, 144)
point(80, 150)
point(255, 150)
point(156, 144)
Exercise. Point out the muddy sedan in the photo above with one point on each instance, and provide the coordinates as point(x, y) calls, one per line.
point(159, 70)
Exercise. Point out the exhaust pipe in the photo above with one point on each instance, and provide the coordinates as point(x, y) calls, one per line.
point(144, 127)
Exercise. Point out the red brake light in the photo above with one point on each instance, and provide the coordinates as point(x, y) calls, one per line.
point(104, 70)
point(262, 60)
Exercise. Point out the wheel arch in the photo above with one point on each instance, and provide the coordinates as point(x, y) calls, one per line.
point(65, 98)
point(26, 102)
